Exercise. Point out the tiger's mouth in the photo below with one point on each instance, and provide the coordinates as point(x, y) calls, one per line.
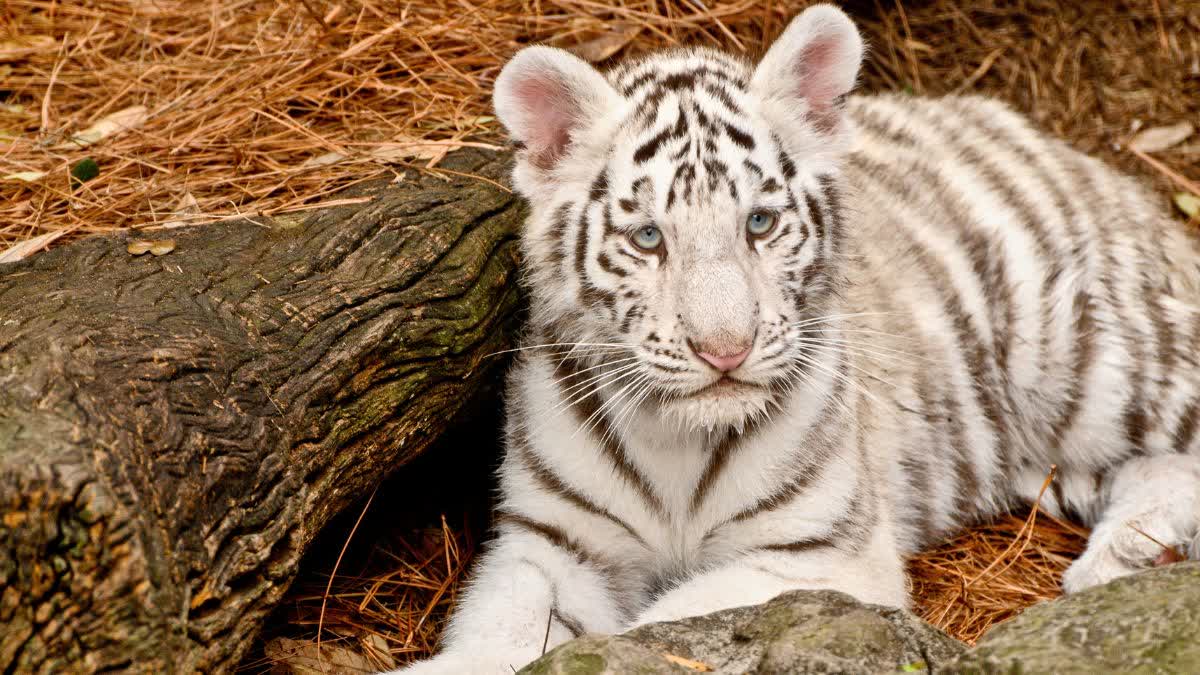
point(726, 402)
point(725, 386)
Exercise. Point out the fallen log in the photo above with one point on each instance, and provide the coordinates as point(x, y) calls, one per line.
point(175, 429)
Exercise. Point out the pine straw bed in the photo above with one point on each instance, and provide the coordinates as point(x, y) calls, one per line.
point(151, 114)
point(137, 114)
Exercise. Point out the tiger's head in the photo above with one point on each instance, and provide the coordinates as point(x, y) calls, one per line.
point(685, 217)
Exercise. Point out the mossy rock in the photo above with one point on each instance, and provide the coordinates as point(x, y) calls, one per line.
point(797, 632)
point(1145, 623)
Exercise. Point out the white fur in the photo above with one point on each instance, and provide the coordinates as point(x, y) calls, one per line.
point(945, 381)
point(1156, 504)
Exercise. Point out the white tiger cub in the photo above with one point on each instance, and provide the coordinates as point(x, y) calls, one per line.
point(782, 338)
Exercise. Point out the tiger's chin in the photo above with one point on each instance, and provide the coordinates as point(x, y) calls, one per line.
point(721, 405)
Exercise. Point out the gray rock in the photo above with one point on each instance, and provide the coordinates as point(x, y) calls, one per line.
point(1145, 623)
point(797, 632)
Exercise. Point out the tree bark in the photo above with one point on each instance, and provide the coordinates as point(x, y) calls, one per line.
point(175, 430)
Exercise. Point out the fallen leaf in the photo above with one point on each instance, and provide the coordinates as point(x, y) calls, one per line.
point(1155, 139)
point(322, 160)
point(110, 125)
point(186, 206)
point(27, 176)
point(24, 249)
point(404, 148)
point(604, 46)
point(26, 46)
point(1188, 203)
point(300, 657)
point(397, 150)
point(688, 663)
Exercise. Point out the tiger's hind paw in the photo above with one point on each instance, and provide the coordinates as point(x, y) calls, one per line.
point(1120, 549)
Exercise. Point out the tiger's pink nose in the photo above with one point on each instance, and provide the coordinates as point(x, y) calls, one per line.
point(724, 362)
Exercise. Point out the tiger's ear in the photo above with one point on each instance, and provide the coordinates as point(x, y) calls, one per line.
point(546, 97)
point(812, 66)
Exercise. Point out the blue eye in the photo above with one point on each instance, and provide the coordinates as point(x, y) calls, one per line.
point(647, 238)
point(760, 223)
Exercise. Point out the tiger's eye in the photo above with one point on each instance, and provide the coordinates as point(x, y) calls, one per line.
point(760, 223)
point(647, 238)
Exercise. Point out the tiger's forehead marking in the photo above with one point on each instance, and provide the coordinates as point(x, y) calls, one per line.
point(690, 134)
point(678, 69)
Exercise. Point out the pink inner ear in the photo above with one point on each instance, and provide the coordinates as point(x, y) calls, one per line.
point(549, 113)
point(817, 84)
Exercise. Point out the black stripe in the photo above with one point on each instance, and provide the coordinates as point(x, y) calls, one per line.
point(815, 214)
point(572, 624)
point(607, 265)
point(1137, 419)
point(648, 149)
point(851, 528)
point(590, 294)
point(684, 174)
point(552, 534)
point(605, 436)
point(550, 482)
point(717, 460)
point(739, 137)
point(687, 79)
point(726, 100)
point(1185, 430)
point(832, 196)
point(1185, 426)
point(561, 223)
point(785, 163)
point(800, 545)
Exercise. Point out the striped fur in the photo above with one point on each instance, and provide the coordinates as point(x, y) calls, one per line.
point(948, 303)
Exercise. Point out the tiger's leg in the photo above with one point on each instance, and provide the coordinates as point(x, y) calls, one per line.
point(872, 576)
point(1153, 501)
point(526, 594)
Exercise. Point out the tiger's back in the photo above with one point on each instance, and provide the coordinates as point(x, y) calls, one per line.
point(1048, 303)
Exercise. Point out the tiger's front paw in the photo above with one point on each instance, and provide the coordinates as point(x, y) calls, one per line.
point(1120, 549)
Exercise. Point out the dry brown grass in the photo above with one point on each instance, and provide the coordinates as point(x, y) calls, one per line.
point(994, 571)
point(244, 104)
point(248, 102)
point(385, 613)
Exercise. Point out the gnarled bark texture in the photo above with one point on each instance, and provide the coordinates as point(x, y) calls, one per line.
point(175, 430)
